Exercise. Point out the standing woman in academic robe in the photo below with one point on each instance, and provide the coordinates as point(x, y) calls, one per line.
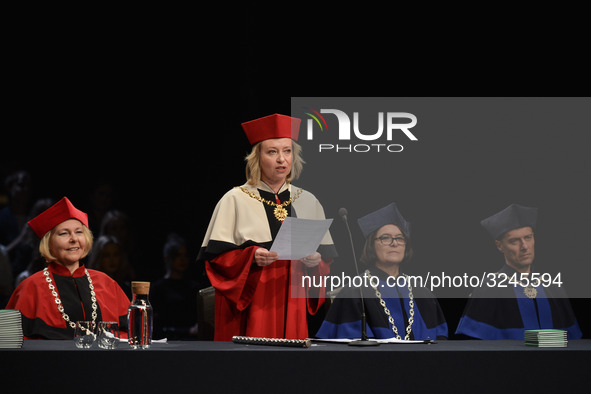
point(52, 300)
point(256, 294)
point(395, 308)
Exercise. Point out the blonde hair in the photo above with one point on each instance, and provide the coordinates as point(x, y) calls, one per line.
point(253, 167)
point(44, 244)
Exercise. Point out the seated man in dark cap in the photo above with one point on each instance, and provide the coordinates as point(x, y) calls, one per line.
point(513, 301)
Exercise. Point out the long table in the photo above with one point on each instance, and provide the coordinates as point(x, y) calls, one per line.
point(203, 366)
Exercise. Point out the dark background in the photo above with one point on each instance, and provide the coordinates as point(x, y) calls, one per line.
point(152, 103)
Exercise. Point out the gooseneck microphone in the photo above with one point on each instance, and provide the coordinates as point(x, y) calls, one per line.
point(363, 341)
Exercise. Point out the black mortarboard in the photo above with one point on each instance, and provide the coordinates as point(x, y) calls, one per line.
point(510, 218)
point(387, 215)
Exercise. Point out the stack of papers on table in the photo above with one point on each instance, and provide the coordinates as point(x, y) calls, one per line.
point(11, 329)
point(546, 338)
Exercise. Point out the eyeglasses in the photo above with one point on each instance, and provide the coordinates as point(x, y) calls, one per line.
point(388, 240)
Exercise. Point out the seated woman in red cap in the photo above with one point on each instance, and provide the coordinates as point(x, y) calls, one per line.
point(52, 300)
point(254, 292)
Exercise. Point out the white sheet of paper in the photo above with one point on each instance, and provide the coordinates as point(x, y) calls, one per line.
point(298, 238)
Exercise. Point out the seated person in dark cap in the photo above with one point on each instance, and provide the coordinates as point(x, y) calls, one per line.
point(515, 303)
point(394, 307)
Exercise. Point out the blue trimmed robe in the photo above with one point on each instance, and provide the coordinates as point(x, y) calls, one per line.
point(505, 312)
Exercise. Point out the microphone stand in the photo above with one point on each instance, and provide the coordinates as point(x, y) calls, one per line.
point(363, 341)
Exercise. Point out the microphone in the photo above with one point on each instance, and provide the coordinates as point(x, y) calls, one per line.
point(363, 341)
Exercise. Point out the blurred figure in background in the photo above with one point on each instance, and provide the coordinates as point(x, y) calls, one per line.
point(118, 224)
point(108, 256)
point(13, 217)
point(100, 201)
point(174, 297)
point(24, 249)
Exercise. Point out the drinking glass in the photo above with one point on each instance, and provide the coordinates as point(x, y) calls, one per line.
point(108, 335)
point(84, 334)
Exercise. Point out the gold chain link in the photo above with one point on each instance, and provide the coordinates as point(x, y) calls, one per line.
point(58, 301)
point(411, 304)
point(280, 212)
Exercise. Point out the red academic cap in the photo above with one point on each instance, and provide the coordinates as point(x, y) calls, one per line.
point(272, 126)
point(56, 214)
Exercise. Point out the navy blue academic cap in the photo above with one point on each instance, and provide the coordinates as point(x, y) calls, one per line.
point(510, 218)
point(387, 215)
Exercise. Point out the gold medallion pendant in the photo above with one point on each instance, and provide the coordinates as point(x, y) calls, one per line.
point(530, 292)
point(280, 213)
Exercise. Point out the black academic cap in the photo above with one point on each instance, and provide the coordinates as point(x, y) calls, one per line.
point(387, 215)
point(510, 218)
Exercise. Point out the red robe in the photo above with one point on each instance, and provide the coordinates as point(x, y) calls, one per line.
point(41, 318)
point(258, 301)
point(261, 301)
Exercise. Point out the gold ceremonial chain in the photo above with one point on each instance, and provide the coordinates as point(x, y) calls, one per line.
point(280, 212)
point(411, 304)
point(58, 301)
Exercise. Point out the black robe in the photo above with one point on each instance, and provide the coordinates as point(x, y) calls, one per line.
point(505, 312)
